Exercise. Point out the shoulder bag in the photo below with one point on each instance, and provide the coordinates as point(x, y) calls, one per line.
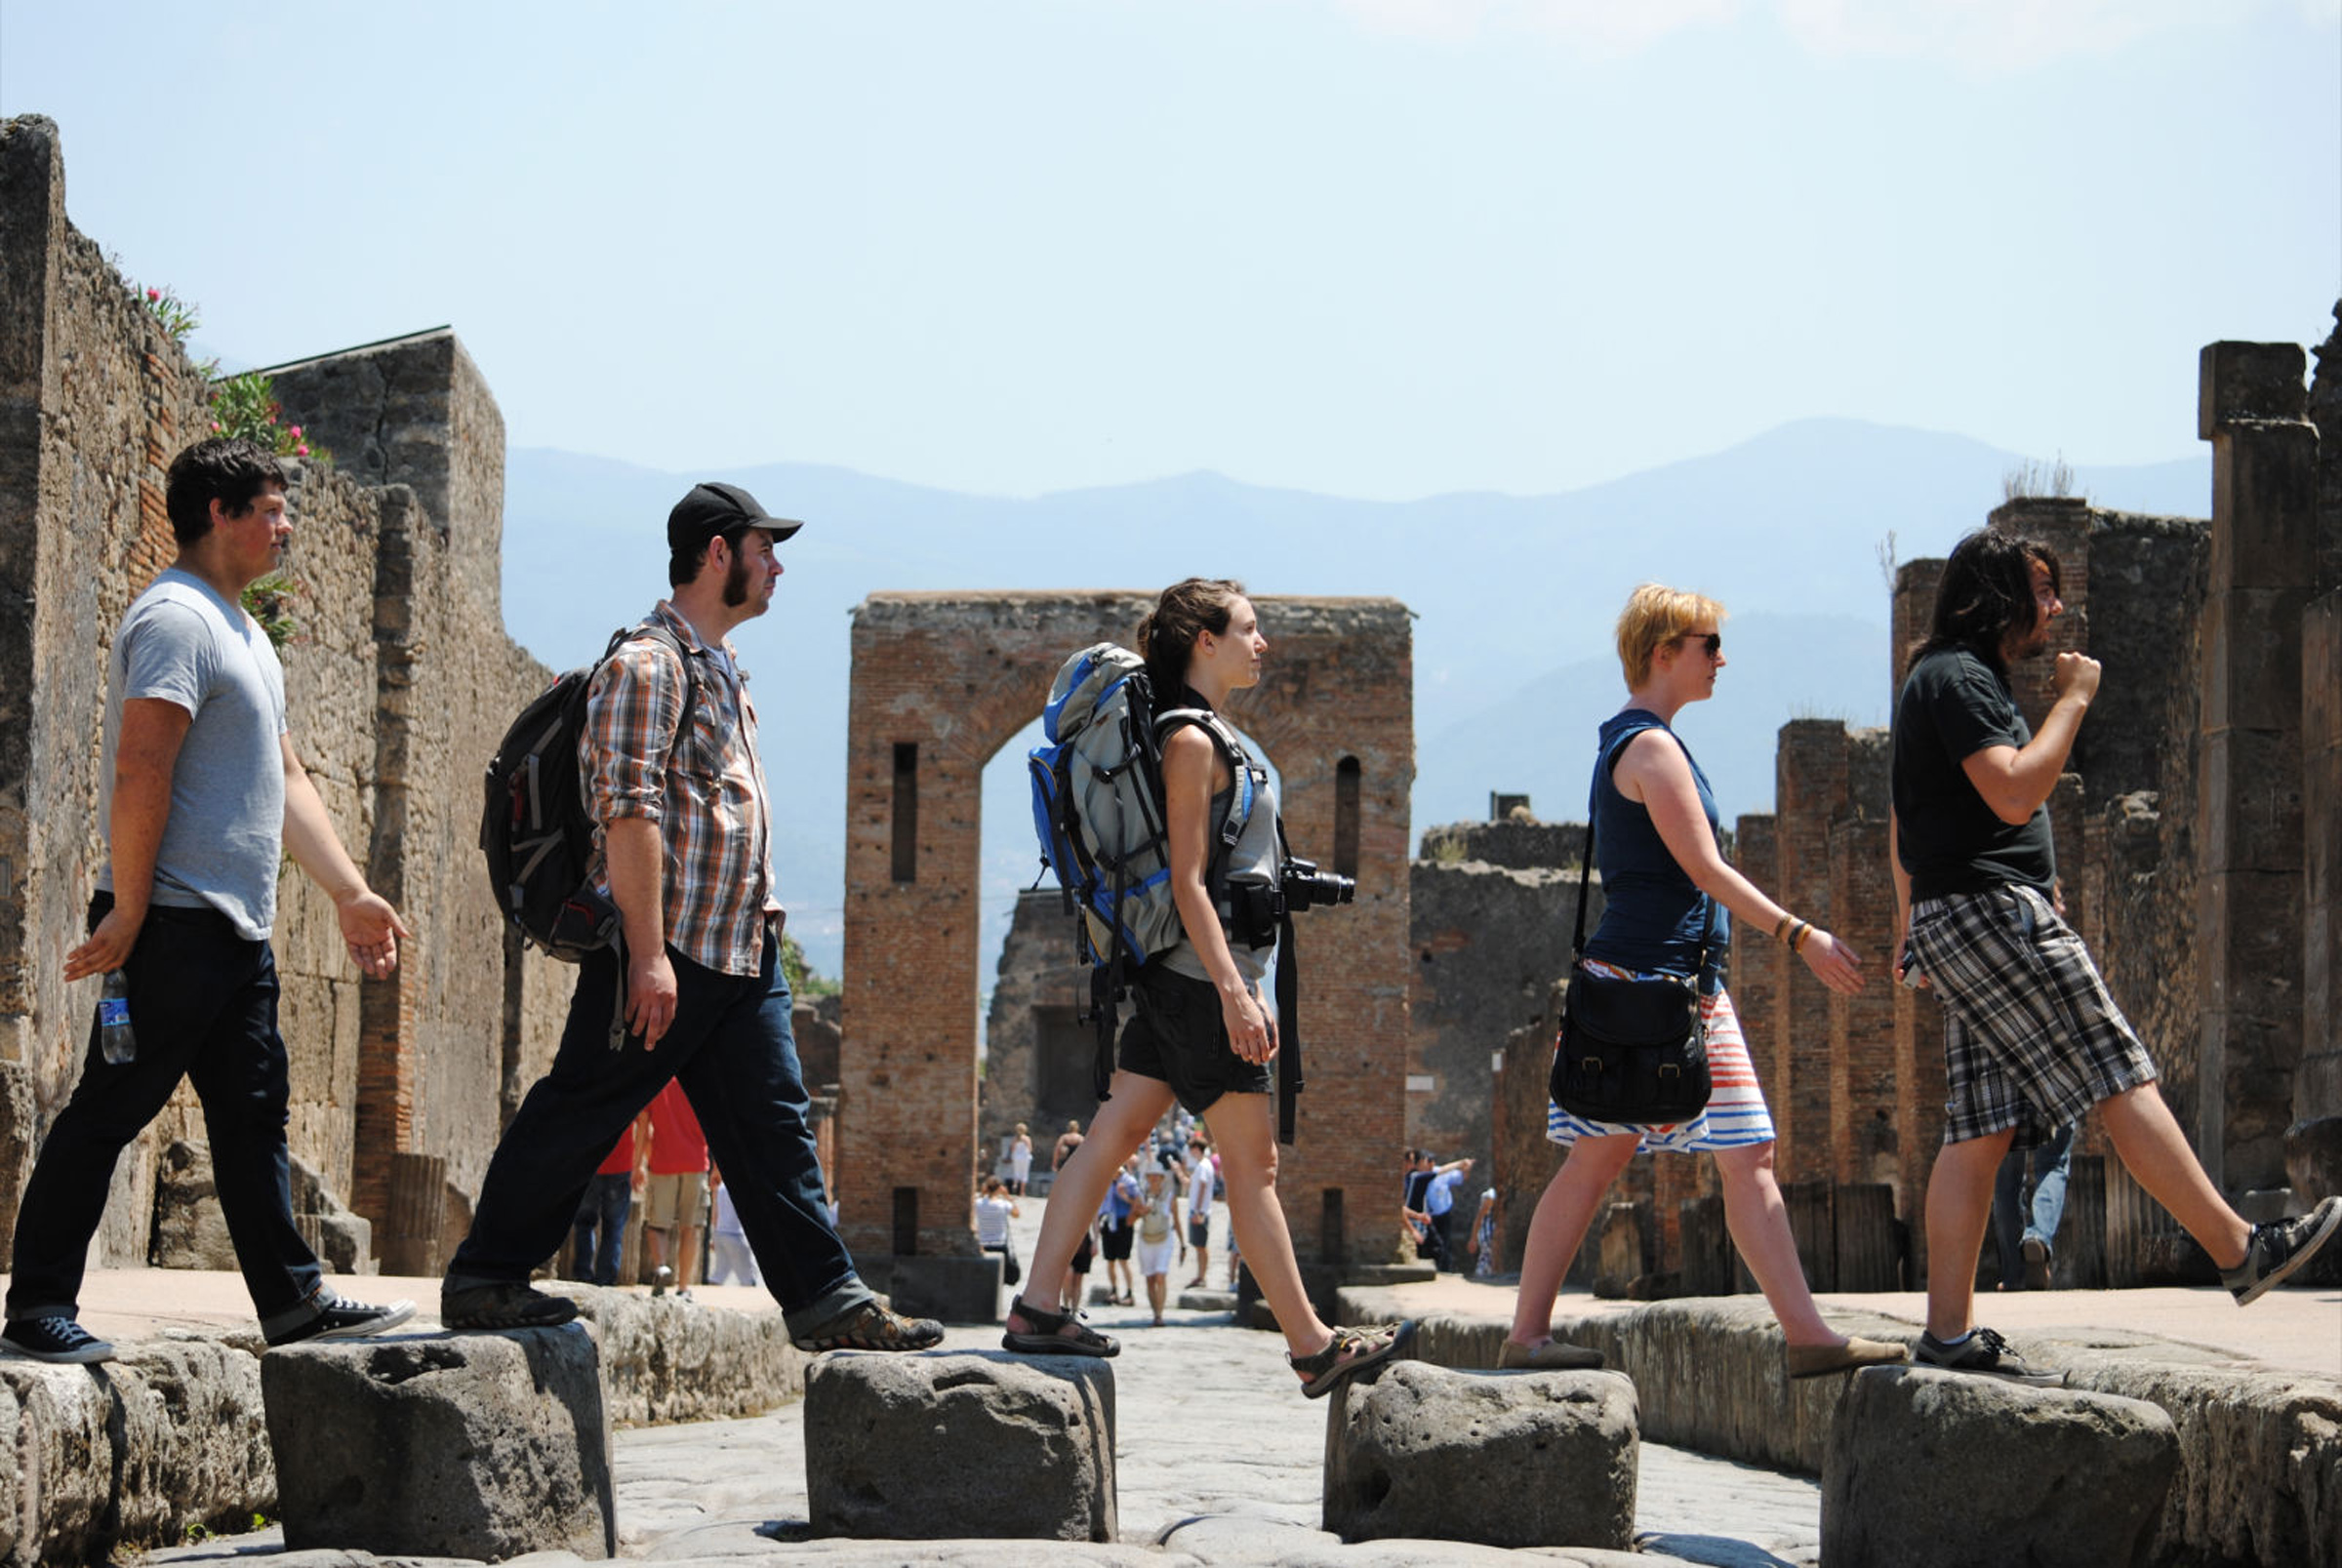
point(1630, 1051)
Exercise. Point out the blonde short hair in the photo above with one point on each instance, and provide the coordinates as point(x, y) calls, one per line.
point(1655, 616)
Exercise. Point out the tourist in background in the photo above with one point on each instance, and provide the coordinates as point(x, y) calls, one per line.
point(674, 1206)
point(1067, 1143)
point(1664, 887)
point(1019, 1160)
point(1158, 1218)
point(1200, 1037)
point(2032, 1037)
point(1203, 1174)
point(1118, 1231)
point(1482, 1245)
point(994, 1208)
point(2025, 1222)
point(598, 1238)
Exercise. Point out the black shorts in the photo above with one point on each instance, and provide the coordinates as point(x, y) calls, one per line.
point(1199, 1233)
point(1176, 1036)
point(1114, 1241)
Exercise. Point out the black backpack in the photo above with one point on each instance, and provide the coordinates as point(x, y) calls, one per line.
point(534, 827)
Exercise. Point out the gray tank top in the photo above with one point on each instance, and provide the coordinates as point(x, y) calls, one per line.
point(1253, 858)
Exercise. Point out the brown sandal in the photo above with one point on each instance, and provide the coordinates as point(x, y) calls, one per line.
point(1048, 1337)
point(1353, 1351)
point(873, 1326)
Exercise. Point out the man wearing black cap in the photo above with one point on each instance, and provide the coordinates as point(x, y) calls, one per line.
point(683, 834)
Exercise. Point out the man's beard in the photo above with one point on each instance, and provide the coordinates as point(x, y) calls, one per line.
point(736, 584)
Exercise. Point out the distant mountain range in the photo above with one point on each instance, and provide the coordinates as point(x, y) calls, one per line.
point(1515, 595)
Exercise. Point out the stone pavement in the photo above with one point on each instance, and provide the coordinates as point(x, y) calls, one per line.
point(1216, 1450)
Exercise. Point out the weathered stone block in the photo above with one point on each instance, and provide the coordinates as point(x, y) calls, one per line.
point(468, 1445)
point(1929, 1468)
point(1506, 1458)
point(917, 1447)
point(2313, 1158)
point(2240, 381)
point(189, 1230)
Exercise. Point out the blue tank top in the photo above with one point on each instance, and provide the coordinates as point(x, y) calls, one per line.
point(1654, 917)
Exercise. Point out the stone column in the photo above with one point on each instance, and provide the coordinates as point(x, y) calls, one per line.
point(2313, 1162)
point(2249, 800)
point(1809, 795)
point(1863, 1060)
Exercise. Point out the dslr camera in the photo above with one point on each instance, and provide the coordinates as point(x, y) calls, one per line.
point(1256, 910)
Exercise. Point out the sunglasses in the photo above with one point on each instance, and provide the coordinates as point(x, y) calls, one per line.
point(1712, 641)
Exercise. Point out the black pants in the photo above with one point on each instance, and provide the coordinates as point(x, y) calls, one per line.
point(203, 1005)
point(733, 1049)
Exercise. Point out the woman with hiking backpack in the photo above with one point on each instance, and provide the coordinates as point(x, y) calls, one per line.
point(1664, 885)
point(1202, 1034)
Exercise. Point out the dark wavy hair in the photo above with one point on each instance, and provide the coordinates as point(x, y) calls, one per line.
point(232, 472)
point(1185, 611)
point(1987, 591)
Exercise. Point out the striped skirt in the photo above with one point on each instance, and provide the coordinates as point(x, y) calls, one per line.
point(1735, 1117)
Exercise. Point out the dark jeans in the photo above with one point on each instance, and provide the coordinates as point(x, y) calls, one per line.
point(2011, 1223)
point(203, 1005)
point(598, 1236)
point(733, 1050)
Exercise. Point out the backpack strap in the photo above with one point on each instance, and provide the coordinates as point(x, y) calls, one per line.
point(1247, 773)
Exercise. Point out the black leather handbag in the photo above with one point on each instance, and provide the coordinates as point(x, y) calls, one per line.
point(1630, 1051)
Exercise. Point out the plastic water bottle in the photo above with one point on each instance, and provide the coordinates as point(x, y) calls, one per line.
point(115, 1040)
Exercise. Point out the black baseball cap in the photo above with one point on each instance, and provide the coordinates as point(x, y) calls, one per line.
point(712, 508)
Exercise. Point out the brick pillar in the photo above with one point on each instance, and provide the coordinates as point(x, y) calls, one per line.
point(1866, 1140)
point(2249, 797)
point(1809, 795)
point(1914, 610)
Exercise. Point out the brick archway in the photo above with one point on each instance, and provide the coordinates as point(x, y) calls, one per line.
point(941, 681)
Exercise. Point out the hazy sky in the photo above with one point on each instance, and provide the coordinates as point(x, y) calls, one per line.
point(1376, 248)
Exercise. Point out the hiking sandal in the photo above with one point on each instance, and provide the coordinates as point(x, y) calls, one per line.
point(1048, 1335)
point(1353, 1351)
point(873, 1326)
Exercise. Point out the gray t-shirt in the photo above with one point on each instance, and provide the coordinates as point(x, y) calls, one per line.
point(183, 643)
point(1255, 859)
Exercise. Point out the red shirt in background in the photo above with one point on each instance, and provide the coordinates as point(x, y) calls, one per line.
point(678, 1145)
point(621, 1157)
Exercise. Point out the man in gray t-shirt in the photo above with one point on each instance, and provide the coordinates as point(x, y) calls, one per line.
point(202, 797)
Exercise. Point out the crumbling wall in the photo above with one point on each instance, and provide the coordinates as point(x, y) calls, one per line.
point(399, 679)
point(1037, 1054)
point(1488, 941)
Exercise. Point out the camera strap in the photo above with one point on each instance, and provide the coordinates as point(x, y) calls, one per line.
point(1288, 1013)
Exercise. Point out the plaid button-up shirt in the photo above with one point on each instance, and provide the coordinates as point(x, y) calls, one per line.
point(714, 817)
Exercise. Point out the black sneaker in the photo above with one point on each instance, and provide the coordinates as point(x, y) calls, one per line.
point(502, 1304)
point(1986, 1353)
point(2277, 1250)
point(341, 1320)
point(55, 1338)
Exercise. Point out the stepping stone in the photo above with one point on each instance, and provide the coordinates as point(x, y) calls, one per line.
point(1200, 1300)
point(1505, 1459)
point(485, 1446)
point(961, 1446)
point(1943, 1469)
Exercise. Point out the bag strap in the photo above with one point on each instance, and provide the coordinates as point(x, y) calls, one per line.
point(1288, 1013)
point(1594, 806)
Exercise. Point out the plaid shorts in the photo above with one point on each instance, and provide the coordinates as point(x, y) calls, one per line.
point(2032, 1040)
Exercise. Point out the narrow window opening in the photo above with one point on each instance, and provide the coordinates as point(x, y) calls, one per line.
point(1331, 1247)
point(907, 1221)
point(1345, 817)
point(906, 811)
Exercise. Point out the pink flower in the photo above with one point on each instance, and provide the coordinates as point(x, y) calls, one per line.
point(154, 294)
point(297, 432)
point(302, 451)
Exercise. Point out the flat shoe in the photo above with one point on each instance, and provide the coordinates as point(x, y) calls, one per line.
point(1554, 1356)
point(1820, 1360)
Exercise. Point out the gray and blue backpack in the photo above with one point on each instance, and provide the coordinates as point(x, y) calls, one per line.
point(1098, 812)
